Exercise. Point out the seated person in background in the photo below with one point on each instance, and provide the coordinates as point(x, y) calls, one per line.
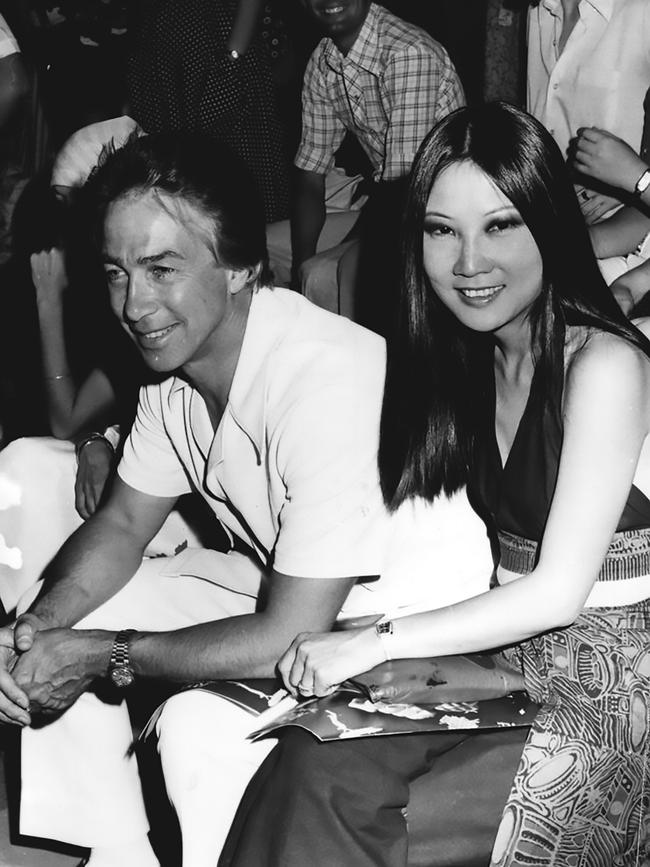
point(622, 241)
point(382, 79)
point(269, 408)
point(588, 65)
point(204, 66)
point(14, 87)
point(90, 374)
point(516, 373)
point(13, 77)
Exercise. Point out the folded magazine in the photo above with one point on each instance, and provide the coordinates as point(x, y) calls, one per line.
point(405, 696)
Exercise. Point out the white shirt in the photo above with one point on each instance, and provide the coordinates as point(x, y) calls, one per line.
point(600, 78)
point(8, 44)
point(292, 467)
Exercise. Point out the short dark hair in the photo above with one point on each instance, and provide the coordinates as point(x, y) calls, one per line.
point(437, 368)
point(192, 168)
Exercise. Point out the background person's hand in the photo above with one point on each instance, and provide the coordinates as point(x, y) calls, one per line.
point(49, 274)
point(629, 288)
point(595, 206)
point(95, 463)
point(606, 158)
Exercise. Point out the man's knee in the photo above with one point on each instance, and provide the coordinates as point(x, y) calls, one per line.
point(199, 721)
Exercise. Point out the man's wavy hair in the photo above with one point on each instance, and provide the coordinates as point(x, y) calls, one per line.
point(190, 169)
point(440, 372)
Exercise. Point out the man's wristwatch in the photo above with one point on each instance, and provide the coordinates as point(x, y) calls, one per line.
point(120, 669)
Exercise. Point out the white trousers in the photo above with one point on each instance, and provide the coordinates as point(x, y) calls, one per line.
point(318, 275)
point(37, 513)
point(79, 784)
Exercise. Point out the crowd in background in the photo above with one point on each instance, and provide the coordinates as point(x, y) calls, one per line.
point(374, 170)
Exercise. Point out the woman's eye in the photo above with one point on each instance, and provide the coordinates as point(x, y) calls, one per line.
point(437, 229)
point(503, 225)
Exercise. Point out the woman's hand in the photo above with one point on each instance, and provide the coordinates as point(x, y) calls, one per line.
point(49, 274)
point(607, 158)
point(630, 287)
point(316, 663)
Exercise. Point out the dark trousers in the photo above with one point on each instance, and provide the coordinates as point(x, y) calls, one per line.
point(347, 803)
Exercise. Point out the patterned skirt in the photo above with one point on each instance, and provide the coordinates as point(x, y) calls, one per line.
point(581, 796)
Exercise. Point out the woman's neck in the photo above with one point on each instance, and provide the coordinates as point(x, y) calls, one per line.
point(513, 356)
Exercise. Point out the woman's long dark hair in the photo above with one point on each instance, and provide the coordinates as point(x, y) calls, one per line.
point(439, 371)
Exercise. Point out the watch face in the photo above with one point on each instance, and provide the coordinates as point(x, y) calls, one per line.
point(122, 676)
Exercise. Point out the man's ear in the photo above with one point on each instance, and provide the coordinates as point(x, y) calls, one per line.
point(243, 278)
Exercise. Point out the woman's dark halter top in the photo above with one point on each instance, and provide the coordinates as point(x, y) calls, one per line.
point(519, 494)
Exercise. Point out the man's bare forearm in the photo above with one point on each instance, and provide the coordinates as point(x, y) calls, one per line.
point(247, 645)
point(93, 564)
point(242, 646)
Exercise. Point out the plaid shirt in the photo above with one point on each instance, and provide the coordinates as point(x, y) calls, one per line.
point(389, 90)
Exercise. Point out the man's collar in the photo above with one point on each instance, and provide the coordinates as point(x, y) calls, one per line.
point(603, 7)
point(365, 51)
point(265, 327)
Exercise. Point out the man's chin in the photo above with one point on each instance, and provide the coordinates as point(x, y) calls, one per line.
point(158, 362)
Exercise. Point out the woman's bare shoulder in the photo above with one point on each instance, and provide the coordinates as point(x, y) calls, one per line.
point(606, 367)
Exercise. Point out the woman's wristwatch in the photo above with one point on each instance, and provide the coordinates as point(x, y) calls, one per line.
point(384, 632)
point(642, 184)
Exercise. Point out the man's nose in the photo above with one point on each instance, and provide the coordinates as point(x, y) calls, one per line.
point(140, 299)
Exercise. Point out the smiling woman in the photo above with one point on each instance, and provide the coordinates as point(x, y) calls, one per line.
point(480, 257)
point(515, 373)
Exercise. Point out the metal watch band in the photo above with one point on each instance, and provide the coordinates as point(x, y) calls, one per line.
point(120, 651)
point(120, 659)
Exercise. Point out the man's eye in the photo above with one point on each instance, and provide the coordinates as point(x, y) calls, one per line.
point(160, 271)
point(113, 275)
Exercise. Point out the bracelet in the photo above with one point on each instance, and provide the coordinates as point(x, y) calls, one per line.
point(383, 630)
point(92, 437)
point(58, 376)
